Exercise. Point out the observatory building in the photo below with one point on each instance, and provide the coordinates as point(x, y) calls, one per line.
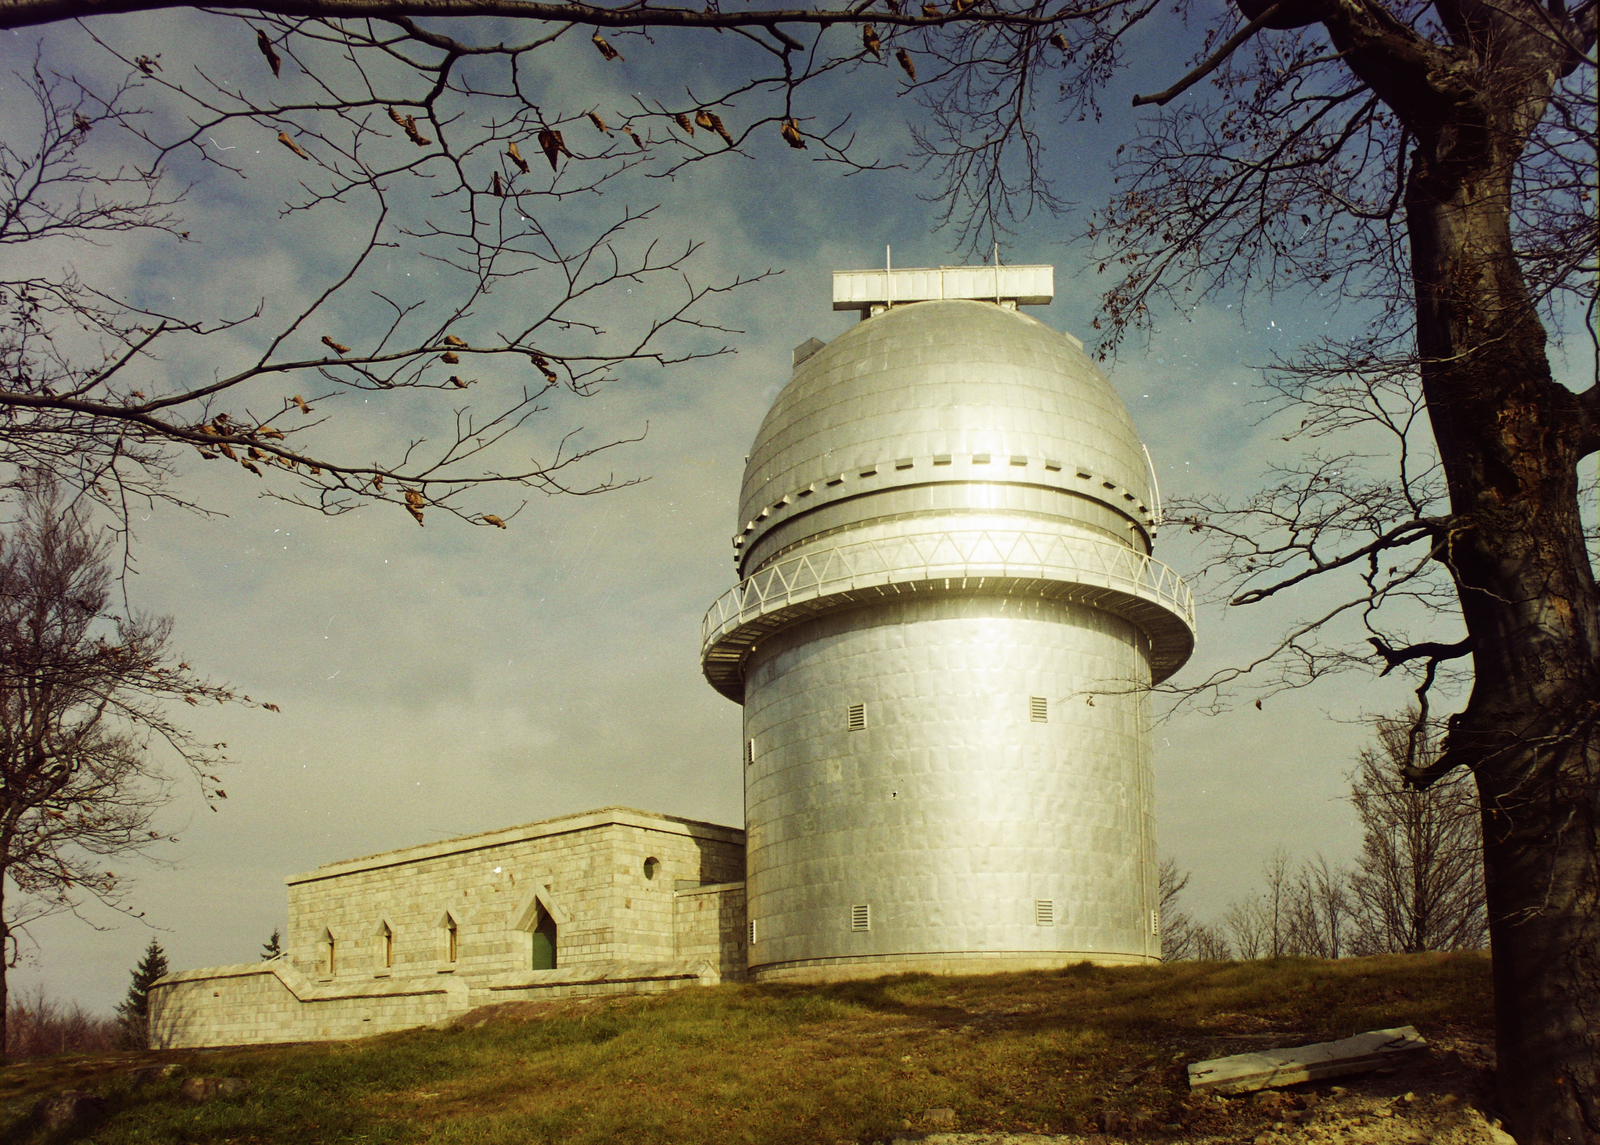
point(945, 626)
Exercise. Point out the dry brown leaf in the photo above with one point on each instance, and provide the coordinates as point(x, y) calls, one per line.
point(450, 358)
point(332, 345)
point(594, 118)
point(683, 122)
point(791, 135)
point(452, 340)
point(301, 402)
point(606, 49)
point(904, 58)
point(265, 44)
point(516, 157)
point(283, 138)
point(414, 133)
point(491, 519)
point(552, 144)
point(870, 41)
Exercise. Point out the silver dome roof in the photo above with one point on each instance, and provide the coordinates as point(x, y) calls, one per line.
point(937, 392)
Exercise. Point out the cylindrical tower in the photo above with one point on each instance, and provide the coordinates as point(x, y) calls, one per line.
point(946, 623)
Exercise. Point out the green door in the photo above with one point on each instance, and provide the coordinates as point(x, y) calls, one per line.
point(544, 941)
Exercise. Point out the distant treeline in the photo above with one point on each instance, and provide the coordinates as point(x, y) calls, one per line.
point(1416, 885)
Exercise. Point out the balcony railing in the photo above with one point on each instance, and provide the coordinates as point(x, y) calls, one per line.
point(964, 560)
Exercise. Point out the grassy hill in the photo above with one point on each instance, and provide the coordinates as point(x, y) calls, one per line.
point(1053, 1052)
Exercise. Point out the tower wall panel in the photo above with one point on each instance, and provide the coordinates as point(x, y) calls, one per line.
point(952, 814)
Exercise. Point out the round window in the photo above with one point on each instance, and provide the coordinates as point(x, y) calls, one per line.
point(651, 865)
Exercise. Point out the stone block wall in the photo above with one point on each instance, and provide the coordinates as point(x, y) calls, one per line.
point(710, 927)
point(369, 940)
point(272, 1002)
point(587, 870)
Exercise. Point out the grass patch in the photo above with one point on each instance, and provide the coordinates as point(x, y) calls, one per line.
point(772, 1065)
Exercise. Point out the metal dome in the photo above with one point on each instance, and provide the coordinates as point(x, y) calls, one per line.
point(948, 393)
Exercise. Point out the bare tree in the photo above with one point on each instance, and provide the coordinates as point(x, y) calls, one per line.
point(1210, 945)
point(84, 722)
point(1418, 884)
point(1319, 911)
point(1247, 927)
point(88, 389)
point(1177, 925)
point(1427, 164)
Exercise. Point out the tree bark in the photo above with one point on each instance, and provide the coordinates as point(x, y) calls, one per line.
point(5, 974)
point(1510, 440)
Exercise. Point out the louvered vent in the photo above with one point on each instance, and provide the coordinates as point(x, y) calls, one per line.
point(861, 916)
point(857, 717)
point(749, 752)
point(752, 934)
point(1155, 923)
point(1038, 709)
point(1044, 912)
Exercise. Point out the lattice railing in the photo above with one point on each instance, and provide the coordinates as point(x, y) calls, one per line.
point(969, 555)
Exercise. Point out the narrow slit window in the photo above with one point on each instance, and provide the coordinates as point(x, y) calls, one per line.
point(451, 940)
point(861, 916)
point(1044, 912)
point(1039, 709)
point(856, 717)
point(386, 945)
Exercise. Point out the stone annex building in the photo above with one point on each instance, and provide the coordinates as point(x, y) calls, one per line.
point(946, 622)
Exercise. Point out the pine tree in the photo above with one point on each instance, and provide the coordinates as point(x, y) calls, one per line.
point(271, 948)
point(134, 1011)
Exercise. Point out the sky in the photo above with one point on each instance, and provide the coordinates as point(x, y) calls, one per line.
point(446, 680)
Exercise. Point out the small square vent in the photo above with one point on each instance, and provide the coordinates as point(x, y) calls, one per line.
point(1039, 709)
point(861, 916)
point(857, 717)
point(1044, 912)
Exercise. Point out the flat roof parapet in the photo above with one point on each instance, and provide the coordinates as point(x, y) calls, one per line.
point(870, 290)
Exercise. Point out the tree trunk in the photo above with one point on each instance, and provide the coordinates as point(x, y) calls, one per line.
point(5, 968)
point(1510, 441)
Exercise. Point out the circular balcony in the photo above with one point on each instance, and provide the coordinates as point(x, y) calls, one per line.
point(1005, 562)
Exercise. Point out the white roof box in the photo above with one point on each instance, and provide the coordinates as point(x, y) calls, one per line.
point(874, 289)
